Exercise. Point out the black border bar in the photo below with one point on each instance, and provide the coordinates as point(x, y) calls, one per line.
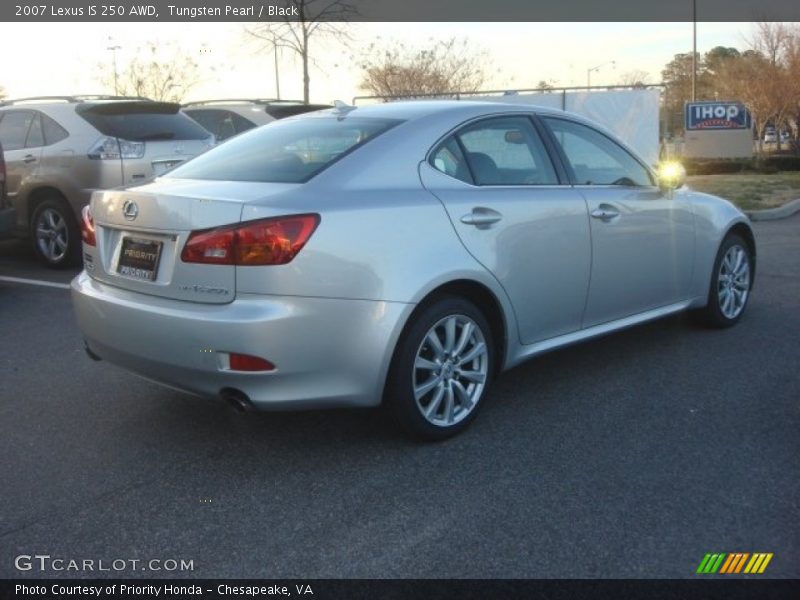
point(428, 589)
point(403, 10)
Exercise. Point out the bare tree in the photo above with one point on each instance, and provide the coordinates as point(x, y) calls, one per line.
point(155, 74)
point(2, 92)
point(766, 76)
point(748, 78)
point(316, 18)
point(545, 85)
point(770, 40)
point(443, 68)
point(635, 78)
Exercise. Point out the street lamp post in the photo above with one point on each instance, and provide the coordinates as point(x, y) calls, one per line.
point(597, 68)
point(694, 50)
point(114, 60)
point(277, 75)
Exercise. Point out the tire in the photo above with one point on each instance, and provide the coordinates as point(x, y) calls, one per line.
point(434, 391)
point(731, 280)
point(55, 234)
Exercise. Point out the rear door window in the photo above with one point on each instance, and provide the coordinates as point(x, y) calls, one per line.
point(142, 121)
point(53, 132)
point(449, 159)
point(222, 123)
point(285, 151)
point(506, 151)
point(35, 135)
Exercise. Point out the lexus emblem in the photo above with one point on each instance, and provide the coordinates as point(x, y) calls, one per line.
point(130, 210)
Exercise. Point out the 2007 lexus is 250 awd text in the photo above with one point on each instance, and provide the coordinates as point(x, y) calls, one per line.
point(402, 253)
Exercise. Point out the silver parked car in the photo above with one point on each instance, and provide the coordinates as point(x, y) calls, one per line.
point(59, 149)
point(403, 252)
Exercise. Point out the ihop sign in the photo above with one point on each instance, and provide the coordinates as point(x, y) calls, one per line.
point(717, 115)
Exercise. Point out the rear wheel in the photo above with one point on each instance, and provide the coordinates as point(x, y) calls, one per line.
point(441, 370)
point(730, 284)
point(55, 234)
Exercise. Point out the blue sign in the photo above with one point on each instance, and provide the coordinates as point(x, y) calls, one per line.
point(717, 115)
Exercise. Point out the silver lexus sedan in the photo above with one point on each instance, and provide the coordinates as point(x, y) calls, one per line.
point(402, 253)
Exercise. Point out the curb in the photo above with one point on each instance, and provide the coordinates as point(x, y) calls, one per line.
point(772, 214)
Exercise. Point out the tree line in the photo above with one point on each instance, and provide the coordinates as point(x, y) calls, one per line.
point(765, 76)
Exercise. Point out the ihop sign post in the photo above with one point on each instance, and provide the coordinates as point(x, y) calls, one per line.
point(717, 115)
point(718, 130)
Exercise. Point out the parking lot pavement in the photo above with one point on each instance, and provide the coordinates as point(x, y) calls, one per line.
point(17, 261)
point(629, 456)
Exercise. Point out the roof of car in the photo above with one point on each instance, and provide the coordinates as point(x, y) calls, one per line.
point(69, 100)
point(410, 109)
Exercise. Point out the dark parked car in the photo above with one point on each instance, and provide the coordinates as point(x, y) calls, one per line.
point(7, 216)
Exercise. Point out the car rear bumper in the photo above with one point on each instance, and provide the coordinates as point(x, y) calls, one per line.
point(327, 352)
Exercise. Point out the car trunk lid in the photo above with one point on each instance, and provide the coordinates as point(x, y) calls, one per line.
point(141, 231)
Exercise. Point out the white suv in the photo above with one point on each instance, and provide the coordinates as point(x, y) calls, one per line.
point(59, 149)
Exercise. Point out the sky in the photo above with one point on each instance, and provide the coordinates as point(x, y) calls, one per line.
point(67, 57)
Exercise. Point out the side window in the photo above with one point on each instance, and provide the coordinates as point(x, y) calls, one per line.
point(596, 159)
point(225, 127)
point(210, 119)
point(14, 129)
point(449, 159)
point(241, 124)
point(53, 132)
point(507, 151)
point(35, 135)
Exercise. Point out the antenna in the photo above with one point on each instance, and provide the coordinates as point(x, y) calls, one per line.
point(342, 108)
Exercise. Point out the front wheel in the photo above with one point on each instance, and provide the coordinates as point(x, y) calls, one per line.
point(441, 370)
point(730, 284)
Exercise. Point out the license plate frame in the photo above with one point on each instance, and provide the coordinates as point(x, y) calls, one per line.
point(139, 258)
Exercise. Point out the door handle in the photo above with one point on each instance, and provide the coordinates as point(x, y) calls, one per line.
point(29, 158)
point(481, 217)
point(605, 213)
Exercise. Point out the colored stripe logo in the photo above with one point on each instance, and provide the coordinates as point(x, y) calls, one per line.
point(734, 562)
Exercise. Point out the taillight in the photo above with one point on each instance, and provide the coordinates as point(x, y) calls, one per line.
point(111, 148)
point(87, 227)
point(245, 362)
point(273, 241)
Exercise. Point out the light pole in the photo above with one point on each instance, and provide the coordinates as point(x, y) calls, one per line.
point(277, 77)
point(694, 50)
point(597, 68)
point(114, 60)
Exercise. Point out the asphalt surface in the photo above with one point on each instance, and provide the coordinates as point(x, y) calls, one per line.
point(629, 456)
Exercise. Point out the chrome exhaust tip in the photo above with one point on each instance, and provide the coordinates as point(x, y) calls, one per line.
point(237, 399)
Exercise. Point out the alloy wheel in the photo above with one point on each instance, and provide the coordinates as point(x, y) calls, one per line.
point(733, 282)
point(52, 235)
point(451, 368)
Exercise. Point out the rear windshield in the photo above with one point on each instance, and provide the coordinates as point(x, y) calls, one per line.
point(284, 151)
point(143, 121)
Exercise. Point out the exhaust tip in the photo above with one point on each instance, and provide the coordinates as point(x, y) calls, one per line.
point(91, 354)
point(237, 399)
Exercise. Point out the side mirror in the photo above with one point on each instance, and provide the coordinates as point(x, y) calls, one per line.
point(671, 175)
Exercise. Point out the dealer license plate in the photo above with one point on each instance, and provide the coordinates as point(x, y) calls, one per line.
point(139, 258)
